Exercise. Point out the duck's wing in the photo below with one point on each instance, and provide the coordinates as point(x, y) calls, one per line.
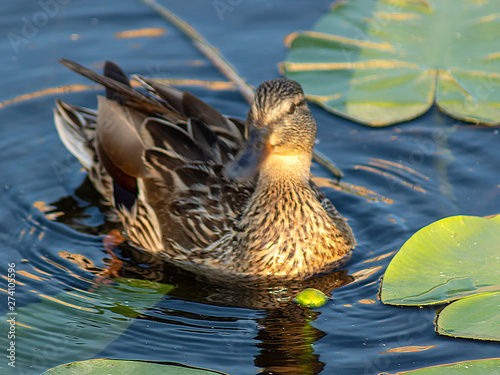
point(164, 155)
point(195, 204)
point(130, 121)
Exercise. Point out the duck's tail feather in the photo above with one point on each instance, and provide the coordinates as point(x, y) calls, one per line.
point(128, 95)
point(76, 128)
point(113, 71)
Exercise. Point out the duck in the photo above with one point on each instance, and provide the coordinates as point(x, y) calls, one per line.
point(216, 196)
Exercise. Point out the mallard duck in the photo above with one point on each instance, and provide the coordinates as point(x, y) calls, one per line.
point(211, 194)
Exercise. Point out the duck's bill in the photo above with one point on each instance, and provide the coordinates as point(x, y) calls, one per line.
point(246, 165)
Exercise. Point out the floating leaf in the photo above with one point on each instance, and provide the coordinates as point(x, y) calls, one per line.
point(150, 32)
point(386, 61)
point(311, 297)
point(476, 367)
point(123, 367)
point(449, 259)
point(409, 349)
point(476, 317)
point(77, 324)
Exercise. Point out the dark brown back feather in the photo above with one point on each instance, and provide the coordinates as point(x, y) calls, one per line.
point(171, 137)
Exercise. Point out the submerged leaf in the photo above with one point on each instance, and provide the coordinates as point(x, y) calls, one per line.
point(476, 317)
point(124, 367)
point(476, 367)
point(77, 324)
point(386, 61)
point(452, 258)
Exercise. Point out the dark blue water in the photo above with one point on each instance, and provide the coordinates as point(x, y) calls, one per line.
point(448, 168)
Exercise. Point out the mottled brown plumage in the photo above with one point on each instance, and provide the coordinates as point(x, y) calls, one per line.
point(211, 194)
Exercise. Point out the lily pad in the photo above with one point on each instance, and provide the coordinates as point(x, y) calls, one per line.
point(311, 297)
point(449, 259)
point(476, 367)
point(476, 317)
point(122, 367)
point(77, 324)
point(386, 61)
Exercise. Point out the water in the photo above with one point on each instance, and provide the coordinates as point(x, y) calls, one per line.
point(447, 169)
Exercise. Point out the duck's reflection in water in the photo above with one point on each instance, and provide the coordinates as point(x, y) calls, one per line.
point(285, 336)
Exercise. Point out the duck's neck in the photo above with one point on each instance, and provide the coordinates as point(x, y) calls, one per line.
point(284, 169)
point(283, 222)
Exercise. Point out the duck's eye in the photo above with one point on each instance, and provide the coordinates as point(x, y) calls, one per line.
point(292, 108)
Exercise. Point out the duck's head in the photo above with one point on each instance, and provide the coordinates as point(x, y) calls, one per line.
point(280, 131)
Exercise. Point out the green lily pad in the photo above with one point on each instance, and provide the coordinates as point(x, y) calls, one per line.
point(476, 317)
point(311, 297)
point(476, 367)
point(449, 259)
point(77, 324)
point(121, 367)
point(386, 61)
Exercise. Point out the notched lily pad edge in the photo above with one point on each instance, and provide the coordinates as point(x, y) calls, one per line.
point(401, 120)
point(469, 120)
point(468, 109)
